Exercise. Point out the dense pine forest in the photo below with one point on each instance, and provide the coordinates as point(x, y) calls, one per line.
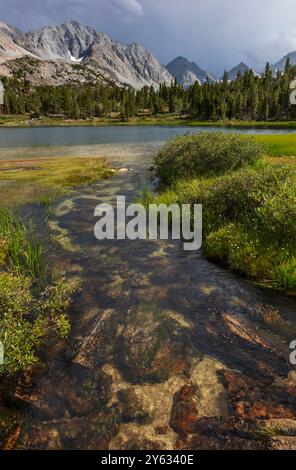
point(249, 97)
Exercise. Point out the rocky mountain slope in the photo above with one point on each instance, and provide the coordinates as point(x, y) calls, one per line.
point(55, 73)
point(72, 52)
point(240, 68)
point(131, 64)
point(66, 42)
point(9, 49)
point(74, 43)
point(280, 65)
point(187, 73)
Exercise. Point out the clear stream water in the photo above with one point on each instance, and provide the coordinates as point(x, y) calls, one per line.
point(167, 350)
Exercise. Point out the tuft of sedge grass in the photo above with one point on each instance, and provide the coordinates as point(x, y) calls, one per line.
point(286, 275)
point(25, 254)
point(264, 432)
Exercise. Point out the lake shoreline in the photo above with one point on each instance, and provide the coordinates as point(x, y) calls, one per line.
point(25, 122)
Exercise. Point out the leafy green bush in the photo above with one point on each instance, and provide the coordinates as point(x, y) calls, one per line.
point(205, 154)
point(26, 317)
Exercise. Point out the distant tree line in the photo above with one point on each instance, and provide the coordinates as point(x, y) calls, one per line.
point(247, 97)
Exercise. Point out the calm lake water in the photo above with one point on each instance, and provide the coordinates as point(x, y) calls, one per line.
point(64, 136)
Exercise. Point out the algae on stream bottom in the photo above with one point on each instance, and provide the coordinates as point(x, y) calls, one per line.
point(44, 179)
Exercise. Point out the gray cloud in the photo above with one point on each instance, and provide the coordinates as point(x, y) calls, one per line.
point(216, 33)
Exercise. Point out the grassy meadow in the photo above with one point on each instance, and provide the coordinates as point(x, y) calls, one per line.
point(278, 145)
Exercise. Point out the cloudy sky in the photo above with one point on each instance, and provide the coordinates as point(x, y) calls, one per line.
point(217, 34)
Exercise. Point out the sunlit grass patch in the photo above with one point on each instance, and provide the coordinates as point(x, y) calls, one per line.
point(278, 145)
point(23, 181)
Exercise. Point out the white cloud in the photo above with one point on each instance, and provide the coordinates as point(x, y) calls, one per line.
point(129, 8)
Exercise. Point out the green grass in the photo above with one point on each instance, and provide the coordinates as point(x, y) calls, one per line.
point(45, 179)
point(21, 249)
point(249, 213)
point(278, 145)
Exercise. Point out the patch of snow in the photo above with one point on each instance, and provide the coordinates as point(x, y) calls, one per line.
point(73, 59)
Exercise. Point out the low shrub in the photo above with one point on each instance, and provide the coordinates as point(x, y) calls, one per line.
point(205, 154)
point(26, 317)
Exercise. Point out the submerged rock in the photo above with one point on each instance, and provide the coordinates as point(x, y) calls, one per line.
point(131, 407)
point(97, 345)
point(282, 443)
point(68, 391)
point(252, 399)
point(185, 410)
point(213, 396)
point(150, 347)
point(223, 433)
